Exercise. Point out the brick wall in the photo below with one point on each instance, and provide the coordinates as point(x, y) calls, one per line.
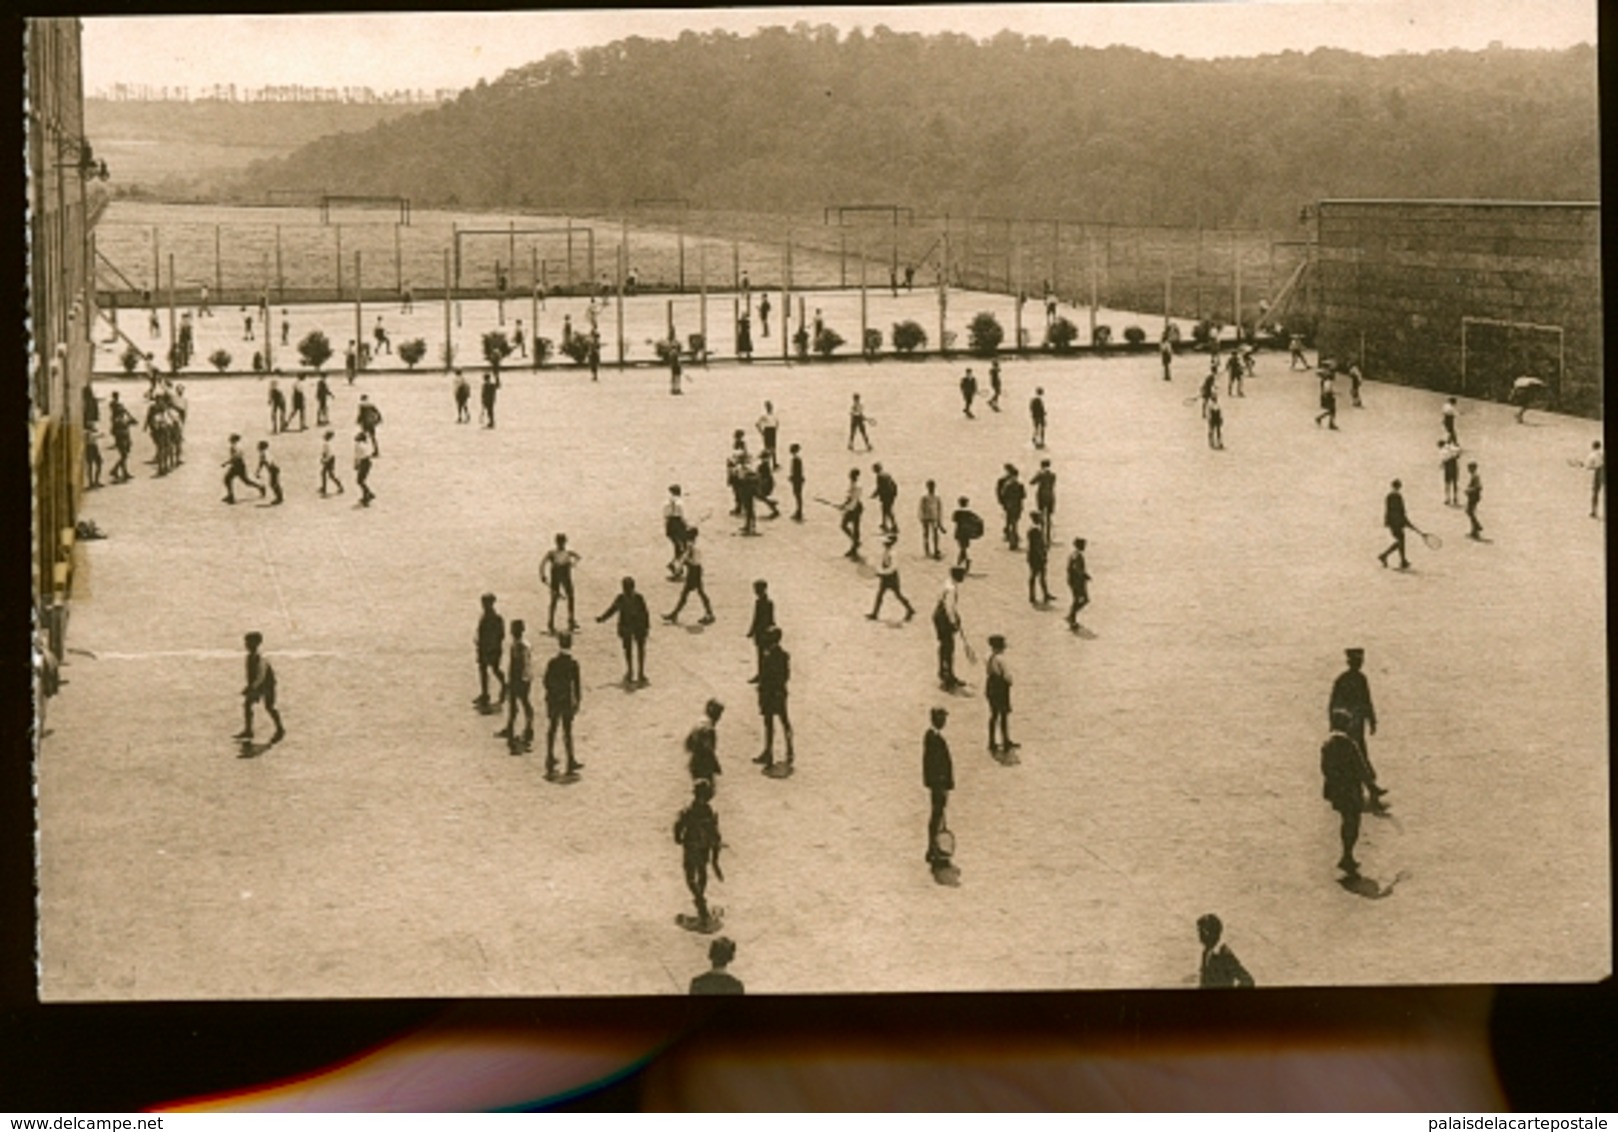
point(1400, 277)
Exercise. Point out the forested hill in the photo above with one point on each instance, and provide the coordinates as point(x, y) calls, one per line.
point(803, 118)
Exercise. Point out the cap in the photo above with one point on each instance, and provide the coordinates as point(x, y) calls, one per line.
point(1352, 653)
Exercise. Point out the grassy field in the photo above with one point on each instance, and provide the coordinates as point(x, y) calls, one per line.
point(1169, 763)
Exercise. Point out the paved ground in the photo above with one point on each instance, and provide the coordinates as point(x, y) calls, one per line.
point(1169, 766)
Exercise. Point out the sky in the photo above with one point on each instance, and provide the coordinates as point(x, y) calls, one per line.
point(434, 50)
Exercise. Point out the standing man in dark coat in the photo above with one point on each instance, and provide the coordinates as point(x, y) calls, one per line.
point(563, 694)
point(491, 636)
point(938, 776)
point(969, 390)
point(702, 743)
point(763, 621)
point(634, 623)
point(774, 673)
point(1347, 774)
point(1011, 494)
point(886, 493)
point(1351, 694)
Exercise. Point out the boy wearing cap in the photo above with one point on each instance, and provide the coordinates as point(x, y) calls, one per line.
point(1078, 583)
point(235, 465)
point(691, 563)
point(696, 831)
point(931, 513)
point(1351, 695)
point(774, 673)
point(634, 623)
point(563, 694)
point(1397, 521)
point(268, 468)
point(795, 478)
point(887, 573)
point(1347, 774)
point(518, 683)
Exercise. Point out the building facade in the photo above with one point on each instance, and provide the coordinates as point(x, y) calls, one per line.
point(1464, 297)
point(61, 313)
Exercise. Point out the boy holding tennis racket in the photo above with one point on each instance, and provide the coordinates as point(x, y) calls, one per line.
point(1474, 495)
point(1596, 464)
point(857, 420)
point(947, 624)
point(938, 776)
point(852, 508)
point(1397, 522)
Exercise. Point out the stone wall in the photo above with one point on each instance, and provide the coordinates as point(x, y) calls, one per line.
point(1397, 279)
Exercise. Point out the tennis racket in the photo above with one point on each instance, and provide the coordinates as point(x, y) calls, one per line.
point(1191, 400)
point(1575, 461)
point(1433, 541)
point(828, 503)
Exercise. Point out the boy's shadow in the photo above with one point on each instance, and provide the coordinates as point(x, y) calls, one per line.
point(1369, 888)
point(251, 749)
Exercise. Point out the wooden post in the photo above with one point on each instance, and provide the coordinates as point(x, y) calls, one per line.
point(218, 269)
point(533, 301)
point(864, 317)
point(1010, 242)
point(280, 274)
point(702, 301)
point(679, 235)
point(735, 265)
point(1236, 265)
point(157, 268)
point(359, 312)
point(174, 333)
point(786, 300)
point(1090, 259)
point(398, 261)
point(842, 257)
point(449, 348)
point(669, 308)
point(1199, 273)
point(1168, 286)
point(590, 252)
point(455, 237)
point(511, 246)
point(1056, 257)
point(622, 265)
point(338, 230)
point(569, 222)
point(1016, 302)
point(943, 284)
point(269, 336)
point(499, 298)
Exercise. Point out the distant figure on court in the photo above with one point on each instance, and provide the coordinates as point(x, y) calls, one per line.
point(490, 394)
point(886, 493)
point(1525, 391)
point(1596, 464)
point(1235, 371)
point(1474, 496)
point(1010, 493)
point(674, 530)
point(1297, 360)
point(260, 689)
point(362, 467)
point(278, 407)
point(717, 980)
point(852, 508)
point(564, 692)
point(969, 390)
point(696, 831)
point(1044, 484)
point(888, 581)
point(947, 626)
point(1449, 459)
point(1078, 583)
point(774, 674)
point(1451, 408)
point(368, 418)
point(769, 427)
point(1328, 400)
point(1038, 561)
point(995, 387)
point(690, 564)
point(763, 621)
point(1165, 352)
point(857, 421)
point(1397, 521)
point(997, 690)
point(235, 465)
point(556, 571)
point(1216, 423)
point(634, 624)
point(323, 398)
point(519, 685)
point(328, 464)
point(764, 316)
point(1219, 967)
point(519, 340)
point(270, 470)
point(938, 776)
point(968, 526)
point(463, 398)
point(796, 479)
point(702, 743)
point(1036, 412)
point(930, 512)
point(1351, 693)
point(1346, 774)
point(380, 333)
point(1356, 378)
point(490, 639)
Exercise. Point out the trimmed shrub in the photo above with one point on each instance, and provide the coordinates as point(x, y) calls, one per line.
point(873, 341)
point(1134, 335)
point(496, 347)
point(314, 350)
point(1201, 331)
point(131, 359)
point(667, 349)
point(827, 341)
point(578, 348)
point(800, 342)
point(1061, 334)
point(412, 352)
point(543, 348)
point(696, 347)
point(984, 334)
point(908, 336)
point(220, 360)
point(1102, 338)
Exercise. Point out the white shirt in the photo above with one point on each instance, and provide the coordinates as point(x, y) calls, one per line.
point(950, 599)
point(1595, 461)
point(887, 569)
point(767, 422)
point(674, 508)
point(362, 451)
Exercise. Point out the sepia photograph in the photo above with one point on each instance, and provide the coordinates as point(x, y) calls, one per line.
point(929, 499)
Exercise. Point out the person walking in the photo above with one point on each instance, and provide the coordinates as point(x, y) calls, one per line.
point(519, 685)
point(696, 831)
point(1010, 493)
point(852, 508)
point(691, 567)
point(1328, 400)
point(260, 689)
point(270, 470)
point(930, 511)
point(298, 406)
point(995, 387)
point(969, 391)
point(764, 487)
point(278, 407)
point(1395, 519)
point(674, 530)
point(1596, 464)
point(368, 418)
point(947, 626)
point(888, 581)
point(556, 572)
point(774, 674)
point(1235, 371)
point(328, 465)
point(235, 465)
point(1451, 410)
point(885, 493)
point(323, 399)
point(1165, 353)
point(938, 777)
point(1474, 495)
point(702, 744)
point(463, 398)
point(1216, 423)
point(968, 525)
point(717, 980)
point(362, 467)
point(1038, 561)
point(383, 344)
point(634, 625)
point(564, 693)
point(1044, 484)
point(490, 639)
point(1078, 583)
point(490, 394)
point(1297, 360)
point(1347, 775)
point(761, 624)
point(769, 427)
point(997, 690)
point(1351, 693)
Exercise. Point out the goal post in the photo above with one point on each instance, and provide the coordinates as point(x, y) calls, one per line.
point(1495, 352)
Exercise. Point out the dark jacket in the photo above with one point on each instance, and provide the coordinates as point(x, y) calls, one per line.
point(937, 768)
